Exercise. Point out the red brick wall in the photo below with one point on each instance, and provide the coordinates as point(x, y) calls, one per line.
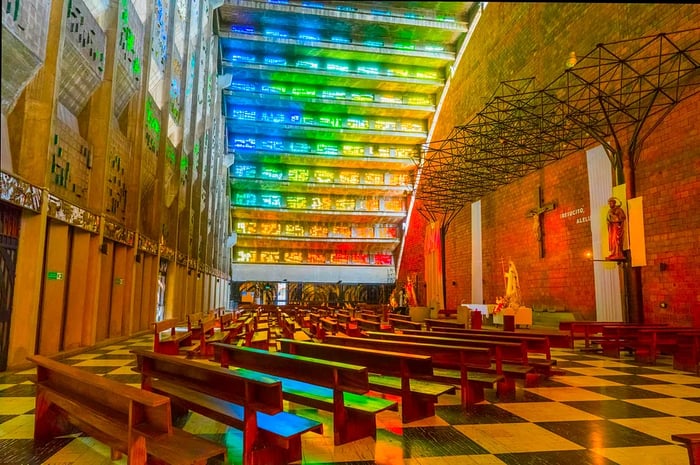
point(413, 257)
point(521, 40)
point(668, 177)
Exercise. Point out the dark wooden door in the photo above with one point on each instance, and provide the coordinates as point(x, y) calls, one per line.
point(9, 238)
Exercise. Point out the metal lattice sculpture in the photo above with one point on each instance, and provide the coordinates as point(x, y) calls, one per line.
point(625, 87)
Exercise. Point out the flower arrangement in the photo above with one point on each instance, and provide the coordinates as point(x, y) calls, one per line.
point(500, 302)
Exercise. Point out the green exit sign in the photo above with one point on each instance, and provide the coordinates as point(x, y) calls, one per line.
point(54, 275)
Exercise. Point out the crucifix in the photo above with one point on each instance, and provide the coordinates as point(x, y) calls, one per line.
point(536, 215)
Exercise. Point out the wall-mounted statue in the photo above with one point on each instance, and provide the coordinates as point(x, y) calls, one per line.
point(616, 229)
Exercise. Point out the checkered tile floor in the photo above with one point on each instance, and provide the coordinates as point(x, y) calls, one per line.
point(602, 411)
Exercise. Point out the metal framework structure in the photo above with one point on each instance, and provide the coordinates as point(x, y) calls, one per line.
point(616, 96)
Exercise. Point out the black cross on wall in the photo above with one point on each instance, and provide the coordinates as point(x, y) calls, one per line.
point(536, 215)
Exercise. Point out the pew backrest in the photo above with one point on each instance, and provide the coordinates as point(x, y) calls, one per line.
point(335, 375)
point(127, 419)
point(376, 361)
point(260, 393)
point(535, 344)
point(507, 352)
point(444, 356)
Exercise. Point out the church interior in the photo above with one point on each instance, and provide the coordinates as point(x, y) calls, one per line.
point(265, 232)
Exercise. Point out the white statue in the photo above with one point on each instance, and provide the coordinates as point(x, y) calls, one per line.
point(512, 298)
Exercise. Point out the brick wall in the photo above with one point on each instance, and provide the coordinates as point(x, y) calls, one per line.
point(668, 177)
point(516, 41)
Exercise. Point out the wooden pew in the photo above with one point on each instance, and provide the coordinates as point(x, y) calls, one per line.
point(534, 344)
point(370, 325)
point(615, 338)
point(584, 330)
point(686, 356)
point(399, 374)
point(290, 329)
point(166, 338)
point(326, 325)
point(651, 342)
point(248, 402)
point(224, 320)
point(371, 316)
point(259, 339)
point(587, 330)
point(441, 323)
point(692, 442)
point(347, 324)
point(322, 384)
point(127, 419)
point(208, 334)
point(398, 316)
point(400, 323)
point(236, 324)
point(510, 358)
point(196, 320)
point(467, 367)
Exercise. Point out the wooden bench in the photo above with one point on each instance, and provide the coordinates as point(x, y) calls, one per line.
point(652, 342)
point(259, 339)
point(331, 386)
point(467, 367)
point(587, 330)
point(371, 316)
point(127, 419)
point(291, 330)
point(347, 324)
point(510, 359)
point(534, 344)
point(195, 321)
point(584, 330)
point(686, 356)
point(248, 402)
point(399, 374)
point(442, 323)
point(371, 325)
point(326, 325)
point(692, 442)
point(401, 323)
point(398, 316)
point(208, 334)
point(167, 339)
point(287, 326)
point(615, 338)
point(225, 320)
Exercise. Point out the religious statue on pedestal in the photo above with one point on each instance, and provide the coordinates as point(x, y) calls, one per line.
point(616, 229)
point(512, 297)
point(512, 302)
